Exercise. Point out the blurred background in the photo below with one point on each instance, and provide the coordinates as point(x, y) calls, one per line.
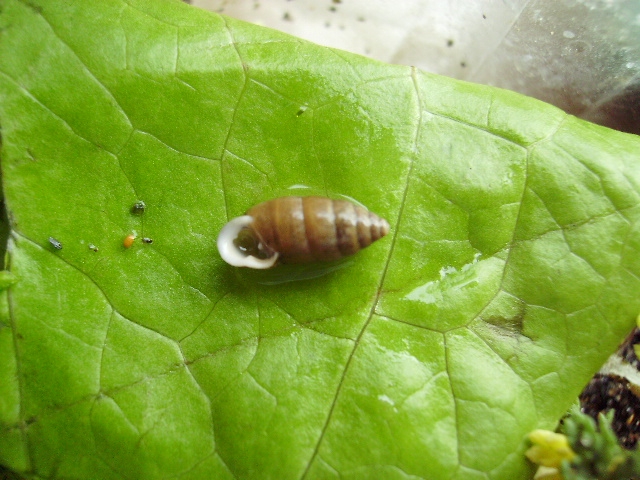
point(580, 55)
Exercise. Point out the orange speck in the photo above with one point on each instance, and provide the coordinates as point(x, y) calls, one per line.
point(128, 240)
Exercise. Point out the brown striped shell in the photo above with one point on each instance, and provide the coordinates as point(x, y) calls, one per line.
point(309, 229)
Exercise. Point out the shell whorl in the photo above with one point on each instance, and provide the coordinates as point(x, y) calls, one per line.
point(312, 229)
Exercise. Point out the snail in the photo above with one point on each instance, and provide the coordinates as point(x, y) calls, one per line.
point(298, 230)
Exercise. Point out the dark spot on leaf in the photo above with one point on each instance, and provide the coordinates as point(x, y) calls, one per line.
point(449, 43)
point(333, 9)
point(510, 325)
point(287, 17)
point(484, 16)
point(361, 19)
point(463, 64)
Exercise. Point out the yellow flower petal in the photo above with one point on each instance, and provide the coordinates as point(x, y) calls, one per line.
point(546, 473)
point(549, 448)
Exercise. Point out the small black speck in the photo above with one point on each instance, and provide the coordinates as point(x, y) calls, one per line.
point(463, 64)
point(287, 17)
point(138, 208)
point(449, 43)
point(333, 9)
point(55, 243)
point(147, 240)
point(484, 16)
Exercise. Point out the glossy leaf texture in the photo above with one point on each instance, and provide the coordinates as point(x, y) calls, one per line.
point(510, 273)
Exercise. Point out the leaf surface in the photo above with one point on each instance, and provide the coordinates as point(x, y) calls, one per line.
point(510, 273)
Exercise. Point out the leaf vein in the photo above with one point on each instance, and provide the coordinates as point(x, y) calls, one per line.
point(49, 110)
point(381, 282)
point(86, 68)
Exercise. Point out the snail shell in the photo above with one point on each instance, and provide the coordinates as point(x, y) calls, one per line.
point(300, 230)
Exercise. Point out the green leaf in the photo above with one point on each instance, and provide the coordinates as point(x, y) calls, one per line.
point(512, 268)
